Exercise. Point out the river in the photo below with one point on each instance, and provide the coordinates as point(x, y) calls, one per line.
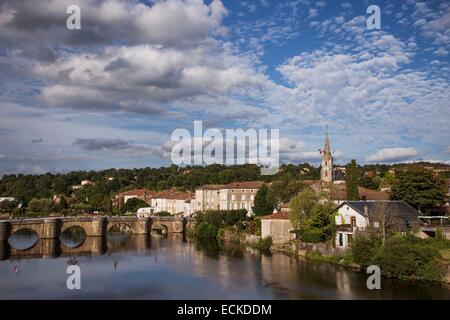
point(158, 267)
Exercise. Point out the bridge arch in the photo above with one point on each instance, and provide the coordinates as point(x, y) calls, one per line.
point(159, 228)
point(23, 239)
point(73, 237)
point(119, 226)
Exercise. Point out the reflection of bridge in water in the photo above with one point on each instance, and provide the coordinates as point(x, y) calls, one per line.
point(91, 246)
point(49, 230)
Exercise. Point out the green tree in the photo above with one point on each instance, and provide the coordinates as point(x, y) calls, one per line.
point(418, 187)
point(352, 181)
point(282, 191)
point(134, 204)
point(302, 207)
point(261, 204)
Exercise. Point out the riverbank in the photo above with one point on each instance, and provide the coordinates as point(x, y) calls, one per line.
point(325, 252)
point(391, 258)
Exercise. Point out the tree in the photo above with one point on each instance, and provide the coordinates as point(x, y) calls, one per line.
point(302, 206)
point(261, 204)
point(418, 187)
point(384, 219)
point(282, 191)
point(352, 181)
point(134, 204)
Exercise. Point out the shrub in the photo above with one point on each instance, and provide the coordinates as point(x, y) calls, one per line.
point(240, 226)
point(364, 249)
point(264, 243)
point(313, 236)
point(163, 214)
point(205, 230)
point(404, 257)
point(231, 217)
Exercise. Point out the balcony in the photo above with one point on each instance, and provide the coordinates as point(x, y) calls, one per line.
point(345, 227)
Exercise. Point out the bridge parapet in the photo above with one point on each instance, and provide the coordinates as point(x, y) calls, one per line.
point(51, 228)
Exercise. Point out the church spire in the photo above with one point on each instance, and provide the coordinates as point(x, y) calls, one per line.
point(327, 148)
point(326, 174)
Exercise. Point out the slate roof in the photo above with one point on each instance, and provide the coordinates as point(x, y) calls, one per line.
point(396, 208)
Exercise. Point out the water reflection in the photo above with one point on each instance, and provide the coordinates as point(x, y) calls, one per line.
point(142, 267)
point(73, 237)
point(23, 239)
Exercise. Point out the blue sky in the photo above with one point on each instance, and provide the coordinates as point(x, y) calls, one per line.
point(111, 94)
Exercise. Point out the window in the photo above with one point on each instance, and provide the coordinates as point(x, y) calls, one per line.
point(376, 224)
point(349, 238)
point(243, 198)
point(353, 221)
point(252, 197)
point(408, 223)
point(341, 239)
point(233, 197)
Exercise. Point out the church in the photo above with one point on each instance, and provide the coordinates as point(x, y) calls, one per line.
point(326, 173)
point(332, 178)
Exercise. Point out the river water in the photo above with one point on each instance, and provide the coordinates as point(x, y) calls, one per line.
point(157, 267)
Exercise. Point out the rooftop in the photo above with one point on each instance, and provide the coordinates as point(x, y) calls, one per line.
point(277, 216)
point(397, 208)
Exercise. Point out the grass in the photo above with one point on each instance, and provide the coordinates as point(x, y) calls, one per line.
point(445, 253)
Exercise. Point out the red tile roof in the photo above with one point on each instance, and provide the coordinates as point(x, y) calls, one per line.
point(138, 192)
point(244, 185)
point(277, 216)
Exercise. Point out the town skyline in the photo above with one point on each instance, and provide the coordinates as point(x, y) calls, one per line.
point(110, 94)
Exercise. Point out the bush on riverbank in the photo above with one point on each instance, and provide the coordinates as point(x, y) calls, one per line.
point(263, 244)
point(402, 256)
point(211, 221)
point(205, 230)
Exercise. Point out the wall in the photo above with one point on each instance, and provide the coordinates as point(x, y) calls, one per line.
point(278, 229)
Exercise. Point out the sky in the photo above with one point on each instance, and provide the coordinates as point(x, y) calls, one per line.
point(110, 94)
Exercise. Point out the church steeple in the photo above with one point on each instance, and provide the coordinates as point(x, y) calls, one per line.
point(326, 174)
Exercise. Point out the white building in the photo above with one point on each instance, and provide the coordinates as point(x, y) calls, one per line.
point(7, 199)
point(232, 196)
point(357, 216)
point(174, 202)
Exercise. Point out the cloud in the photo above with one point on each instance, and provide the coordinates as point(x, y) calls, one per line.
point(106, 22)
point(119, 146)
point(447, 150)
point(120, 78)
point(393, 155)
point(39, 140)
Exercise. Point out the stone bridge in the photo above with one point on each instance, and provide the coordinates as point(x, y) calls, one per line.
point(90, 246)
point(51, 228)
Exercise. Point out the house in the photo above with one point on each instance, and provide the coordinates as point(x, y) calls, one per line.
point(339, 194)
point(277, 226)
point(87, 183)
point(143, 194)
point(232, 196)
point(239, 195)
point(358, 216)
point(207, 197)
point(10, 199)
point(173, 201)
